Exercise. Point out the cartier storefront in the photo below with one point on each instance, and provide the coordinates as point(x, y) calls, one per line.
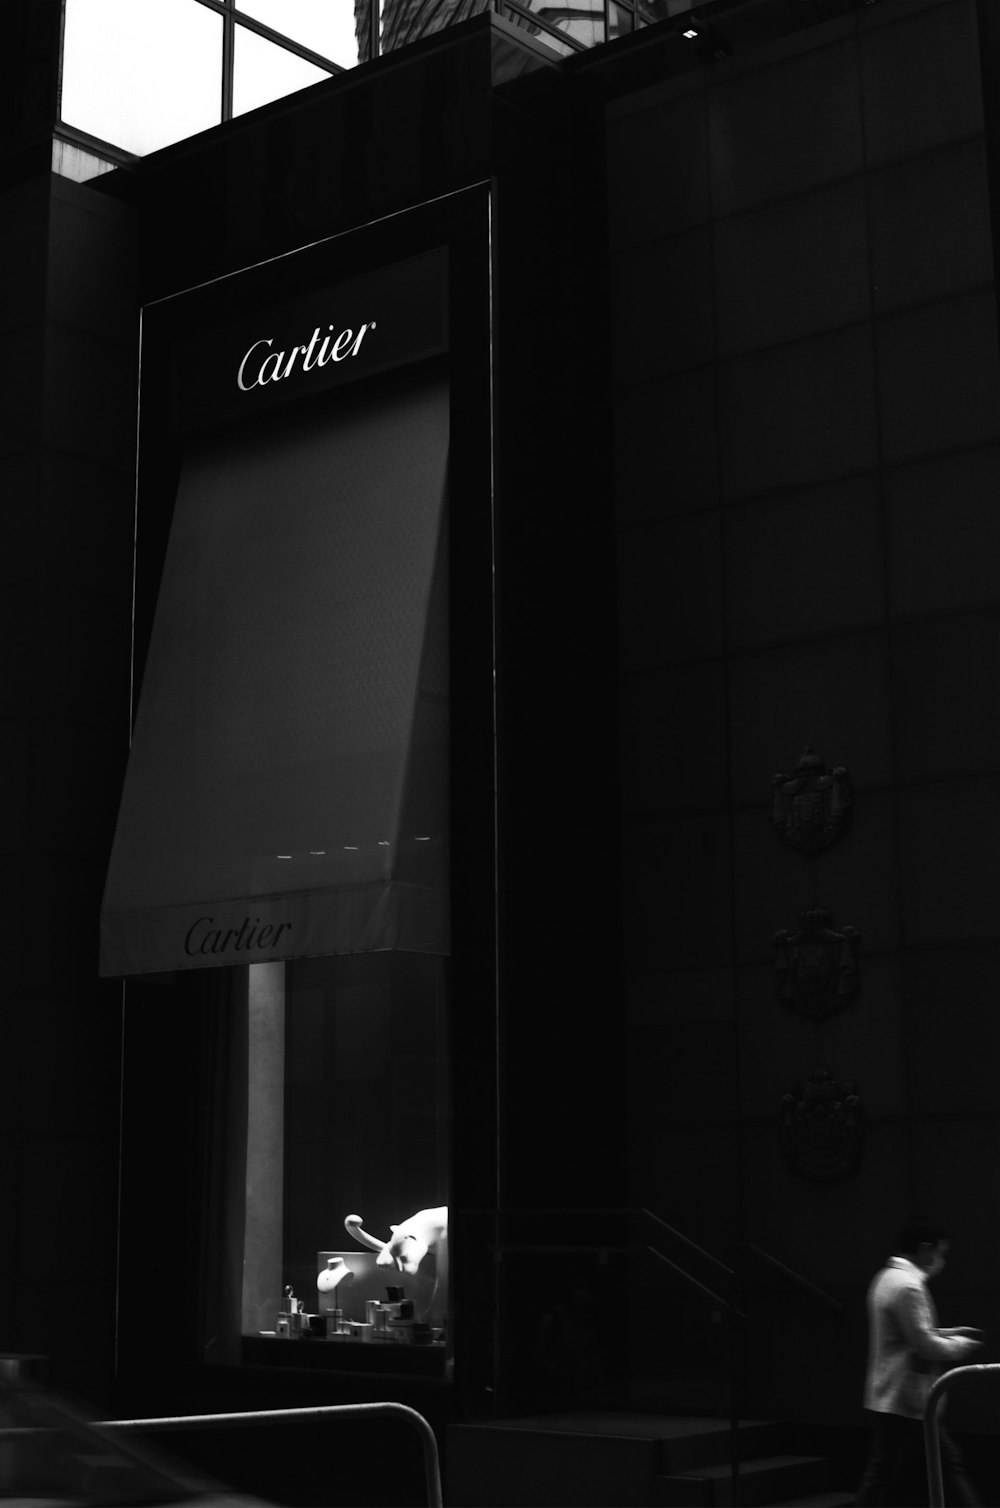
point(285, 853)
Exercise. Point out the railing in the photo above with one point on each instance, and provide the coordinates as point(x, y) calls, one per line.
point(932, 1439)
point(794, 1277)
point(432, 1470)
point(723, 1308)
point(618, 1210)
point(750, 1247)
point(729, 1309)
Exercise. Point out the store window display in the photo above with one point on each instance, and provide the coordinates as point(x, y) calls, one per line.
point(283, 848)
point(348, 1062)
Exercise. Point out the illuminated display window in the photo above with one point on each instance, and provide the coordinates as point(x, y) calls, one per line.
point(347, 1152)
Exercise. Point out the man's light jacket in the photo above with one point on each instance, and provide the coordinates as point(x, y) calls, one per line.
point(906, 1350)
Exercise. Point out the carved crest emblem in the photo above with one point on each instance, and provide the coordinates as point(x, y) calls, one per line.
point(822, 1126)
point(816, 968)
point(810, 805)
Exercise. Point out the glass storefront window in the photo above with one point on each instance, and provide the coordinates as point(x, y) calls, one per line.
point(308, 714)
point(348, 1117)
point(141, 75)
point(263, 72)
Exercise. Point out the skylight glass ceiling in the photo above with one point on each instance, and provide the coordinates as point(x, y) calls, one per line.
point(121, 67)
point(142, 74)
point(139, 75)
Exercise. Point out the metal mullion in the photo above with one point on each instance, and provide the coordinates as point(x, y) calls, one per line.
point(223, 8)
point(231, 17)
point(228, 62)
point(630, 10)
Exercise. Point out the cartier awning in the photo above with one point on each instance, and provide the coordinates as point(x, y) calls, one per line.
point(286, 792)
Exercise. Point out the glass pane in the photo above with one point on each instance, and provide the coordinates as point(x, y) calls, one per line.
point(651, 11)
point(264, 72)
point(141, 76)
point(516, 18)
point(582, 20)
point(348, 1150)
point(325, 26)
point(619, 21)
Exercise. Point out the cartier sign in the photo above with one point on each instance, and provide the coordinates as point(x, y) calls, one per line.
point(262, 363)
point(336, 334)
point(205, 936)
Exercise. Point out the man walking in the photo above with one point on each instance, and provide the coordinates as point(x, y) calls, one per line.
point(906, 1352)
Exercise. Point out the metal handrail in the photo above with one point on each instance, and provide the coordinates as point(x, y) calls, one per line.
point(714, 1298)
point(795, 1277)
point(432, 1468)
point(932, 1440)
point(686, 1241)
point(677, 1235)
point(601, 1210)
point(544, 1249)
point(729, 1309)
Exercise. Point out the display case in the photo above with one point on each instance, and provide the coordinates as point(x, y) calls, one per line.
point(346, 1219)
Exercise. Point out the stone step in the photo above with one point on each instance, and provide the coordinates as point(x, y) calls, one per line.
point(603, 1459)
point(818, 1500)
point(762, 1481)
point(702, 1442)
point(525, 1464)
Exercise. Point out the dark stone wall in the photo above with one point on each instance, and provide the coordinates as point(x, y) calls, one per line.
point(68, 332)
point(807, 409)
point(29, 86)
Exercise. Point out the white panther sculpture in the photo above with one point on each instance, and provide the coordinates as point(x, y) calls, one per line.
point(408, 1246)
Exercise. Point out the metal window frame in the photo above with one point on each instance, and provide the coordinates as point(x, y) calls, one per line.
point(232, 17)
